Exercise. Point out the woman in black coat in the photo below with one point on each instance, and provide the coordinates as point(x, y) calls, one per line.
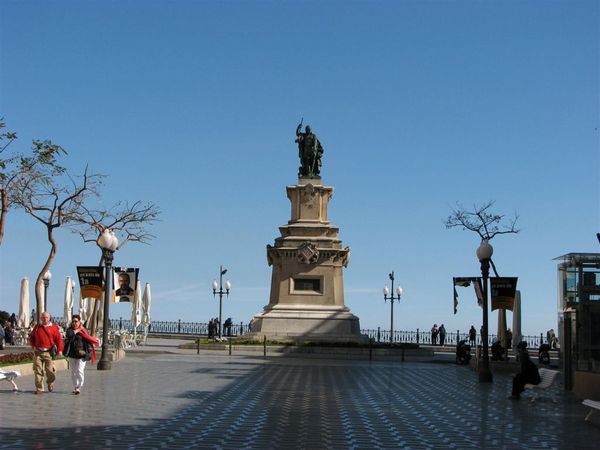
point(529, 372)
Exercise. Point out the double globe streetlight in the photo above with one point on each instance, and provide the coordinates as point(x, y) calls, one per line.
point(484, 255)
point(391, 298)
point(108, 242)
point(220, 291)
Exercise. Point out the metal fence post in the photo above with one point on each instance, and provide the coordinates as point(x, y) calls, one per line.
point(378, 334)
point(370, 349)
point(229, 345)
point(265, 346)
point(241, 328)
point(120, 323)
point(179, 327)
point(417, 335)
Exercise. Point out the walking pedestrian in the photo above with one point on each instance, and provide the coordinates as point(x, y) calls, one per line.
point(472, 336)
point(442, 333)
point(211, 329)
point(79, 348)
point(46, 342)
point(434, 334)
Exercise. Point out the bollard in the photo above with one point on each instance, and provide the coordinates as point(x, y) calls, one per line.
point(179, 327)
point(265, 346)
point(230, 346)
point(198, 351)
point(370, 349)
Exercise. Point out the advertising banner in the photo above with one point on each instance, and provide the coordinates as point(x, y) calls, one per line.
point(124, 281)
point(503, 290)
point(91, 281)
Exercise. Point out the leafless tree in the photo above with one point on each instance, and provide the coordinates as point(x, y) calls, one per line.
point(487, 225)
point(482, 221)
point(128, 221)
point(51, 195)
point(16, 167)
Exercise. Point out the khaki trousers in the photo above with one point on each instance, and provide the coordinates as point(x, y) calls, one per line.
point(42, 362)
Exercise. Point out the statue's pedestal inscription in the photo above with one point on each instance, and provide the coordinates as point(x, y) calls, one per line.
point(307, 289)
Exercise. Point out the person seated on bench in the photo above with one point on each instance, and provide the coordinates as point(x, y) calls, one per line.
point(529, 372)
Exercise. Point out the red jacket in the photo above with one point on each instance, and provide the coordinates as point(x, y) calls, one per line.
point(45, 337)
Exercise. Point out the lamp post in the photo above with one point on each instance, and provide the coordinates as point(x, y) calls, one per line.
point(391, 298)
point(219, 286)
point(108, 243)
point(47, 277)
point(484, 254)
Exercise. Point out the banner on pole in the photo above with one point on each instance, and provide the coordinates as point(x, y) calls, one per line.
point(91, 281)
point(124, 280)
point(466, 282)
point(503, 290)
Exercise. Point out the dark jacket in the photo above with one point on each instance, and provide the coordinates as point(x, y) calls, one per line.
point(529, 370)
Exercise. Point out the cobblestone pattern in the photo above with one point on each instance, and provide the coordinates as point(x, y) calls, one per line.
point(188, 401)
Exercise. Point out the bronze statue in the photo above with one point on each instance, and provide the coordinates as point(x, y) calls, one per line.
point(309, 151)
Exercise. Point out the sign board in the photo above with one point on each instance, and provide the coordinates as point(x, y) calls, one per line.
point(503, 290)
point(91, 281)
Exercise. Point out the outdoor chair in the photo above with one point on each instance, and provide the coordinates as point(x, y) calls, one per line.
point(10, 377)
point(547, 379)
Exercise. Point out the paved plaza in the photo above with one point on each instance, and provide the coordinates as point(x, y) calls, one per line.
point(184, 400)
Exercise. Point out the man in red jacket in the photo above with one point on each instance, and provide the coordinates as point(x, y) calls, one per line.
point(43, 337)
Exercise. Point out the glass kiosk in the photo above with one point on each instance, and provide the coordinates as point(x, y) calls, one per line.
point(579, 322)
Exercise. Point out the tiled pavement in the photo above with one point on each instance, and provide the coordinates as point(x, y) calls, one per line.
point(211, 401)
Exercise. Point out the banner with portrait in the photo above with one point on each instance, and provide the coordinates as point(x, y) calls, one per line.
point(91, 281)
point(503, 290)
point(124, 281)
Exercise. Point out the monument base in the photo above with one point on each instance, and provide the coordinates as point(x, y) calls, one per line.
point(308, 323)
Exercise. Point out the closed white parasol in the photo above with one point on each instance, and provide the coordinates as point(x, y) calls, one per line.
point(23, 321)
point(136, 307)
point(146, 302)
point(68, 312)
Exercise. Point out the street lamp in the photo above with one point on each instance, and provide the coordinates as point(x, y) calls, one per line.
point(391, 298)
point(108, 243)
point(47, 277)
point(219, 286)
point(484, 254)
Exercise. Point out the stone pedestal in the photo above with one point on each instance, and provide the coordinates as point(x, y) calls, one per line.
point(307, 287)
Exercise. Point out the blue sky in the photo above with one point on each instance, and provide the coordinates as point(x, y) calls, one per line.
point(419, 105)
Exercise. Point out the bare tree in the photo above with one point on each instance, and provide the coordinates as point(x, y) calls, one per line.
point(128, 221)
point(487, 225)
point(51, 195)
point(15, 168)
point(483, 222)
